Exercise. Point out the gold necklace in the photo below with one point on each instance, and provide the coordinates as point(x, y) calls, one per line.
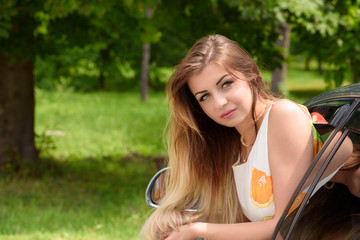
point(244, 159)
point(243, 142)
point(243, 151)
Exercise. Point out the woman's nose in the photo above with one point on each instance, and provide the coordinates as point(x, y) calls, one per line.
point(220, 100)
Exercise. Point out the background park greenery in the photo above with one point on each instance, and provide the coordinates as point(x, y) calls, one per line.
point(100, 109)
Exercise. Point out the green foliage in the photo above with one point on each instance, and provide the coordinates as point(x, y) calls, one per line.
point(183, 22)
point(53, 32)
point(110, 35)
point(334, 78)
point(73, 69)
point(7, 11)
point(159, 77)
point(78, 69)
point(45, 144)
point(338, 46)
point(12, 161)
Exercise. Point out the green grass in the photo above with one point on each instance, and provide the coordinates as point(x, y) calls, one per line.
point(91, 185)
point(88, 200)
point(101, 124)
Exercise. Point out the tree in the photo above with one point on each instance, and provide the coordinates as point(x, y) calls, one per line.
point(16, 83)
point(279, 73)
point(22, 36)
point(30, 29)
point(347, 54)
point(333, 40)
point(181, 23)
point(286, 15)
point(143, 11)
point(145, 61)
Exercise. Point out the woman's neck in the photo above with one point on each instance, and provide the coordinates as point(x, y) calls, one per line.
point(247, 129)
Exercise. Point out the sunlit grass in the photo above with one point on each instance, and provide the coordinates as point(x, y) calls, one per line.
point(91, 186)
point(101, 124)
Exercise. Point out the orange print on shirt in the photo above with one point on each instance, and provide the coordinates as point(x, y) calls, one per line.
point(261, 189)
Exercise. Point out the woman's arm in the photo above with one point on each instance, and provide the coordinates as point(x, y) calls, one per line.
point(291, 150)
point(213, 231)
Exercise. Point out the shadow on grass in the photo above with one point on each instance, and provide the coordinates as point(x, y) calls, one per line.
point(87, 168)
point(81, 193)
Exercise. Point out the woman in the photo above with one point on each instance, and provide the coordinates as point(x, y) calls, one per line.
point(235, 151)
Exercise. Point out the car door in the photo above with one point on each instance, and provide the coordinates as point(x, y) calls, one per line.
point(333, 212)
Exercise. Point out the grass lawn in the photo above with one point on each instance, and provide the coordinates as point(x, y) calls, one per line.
point(98, 152)
point(100, 124)
point(87, 200)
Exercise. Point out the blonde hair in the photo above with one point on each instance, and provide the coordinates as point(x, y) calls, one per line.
point(202, 152)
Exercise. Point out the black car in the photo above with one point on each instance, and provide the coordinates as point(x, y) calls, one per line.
point(333, 212)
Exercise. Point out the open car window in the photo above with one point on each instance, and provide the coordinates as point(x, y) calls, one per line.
point(332, 212)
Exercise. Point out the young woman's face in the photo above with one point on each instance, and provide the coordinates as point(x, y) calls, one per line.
point(224, 99)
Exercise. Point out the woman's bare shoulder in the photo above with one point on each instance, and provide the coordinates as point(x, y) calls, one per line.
point(289, 135)
point(285, 110)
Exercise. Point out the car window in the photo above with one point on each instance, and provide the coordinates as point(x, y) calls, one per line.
point(332, 212)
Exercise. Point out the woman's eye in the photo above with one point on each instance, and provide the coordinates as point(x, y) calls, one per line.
point(203, 97)
point(226, 84)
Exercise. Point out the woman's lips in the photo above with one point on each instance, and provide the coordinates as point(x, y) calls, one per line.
point(228, 114)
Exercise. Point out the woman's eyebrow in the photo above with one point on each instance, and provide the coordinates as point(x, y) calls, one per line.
point(200, 92)
point(217, 83)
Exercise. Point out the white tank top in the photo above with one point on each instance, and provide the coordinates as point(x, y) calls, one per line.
point(258, 163)
point(254, 183)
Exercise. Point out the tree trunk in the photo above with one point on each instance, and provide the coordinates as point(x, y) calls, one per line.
point(145, 62)
point(320, 68)
point(355, 70)
point(279, 74)
point(16, 111)
point(307, 63)
point(103, 61)
point(355, 78)
point(101, 79)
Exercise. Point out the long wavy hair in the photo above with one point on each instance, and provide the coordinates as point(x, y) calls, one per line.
point(202, 152)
